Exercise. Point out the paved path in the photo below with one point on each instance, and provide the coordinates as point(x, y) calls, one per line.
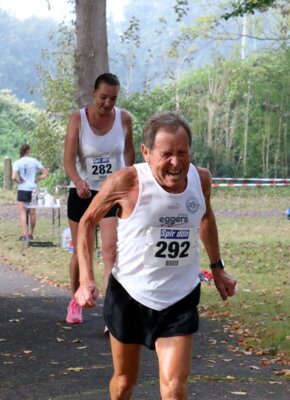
point(43, 358)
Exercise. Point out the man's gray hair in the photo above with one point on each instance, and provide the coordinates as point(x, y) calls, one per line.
point(170, 121)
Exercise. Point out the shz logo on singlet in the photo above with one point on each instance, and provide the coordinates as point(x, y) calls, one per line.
point(192, 204)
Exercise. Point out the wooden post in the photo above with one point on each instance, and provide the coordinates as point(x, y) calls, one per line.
point(7, 173)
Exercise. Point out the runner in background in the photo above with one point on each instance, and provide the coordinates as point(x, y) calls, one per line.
point(99, 141)
point(24, 172)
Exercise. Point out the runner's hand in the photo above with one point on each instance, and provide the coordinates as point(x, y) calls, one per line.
point(225, 284)
point(86, 295)
point(82, 189)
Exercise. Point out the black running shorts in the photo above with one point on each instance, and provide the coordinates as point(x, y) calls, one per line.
point(131, 322)
point(24, 196)
point(76, 206)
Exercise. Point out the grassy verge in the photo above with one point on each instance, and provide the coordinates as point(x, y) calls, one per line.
point(256, 252)
point(255, 249)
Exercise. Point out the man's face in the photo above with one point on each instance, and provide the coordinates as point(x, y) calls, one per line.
point(169, 159)
point(105, 97)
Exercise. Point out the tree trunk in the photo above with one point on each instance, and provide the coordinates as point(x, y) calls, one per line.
point(278, 150)
point(286, 144)
point(246, 130)
point(244, 38)
point(91, 47)
point(7, 173)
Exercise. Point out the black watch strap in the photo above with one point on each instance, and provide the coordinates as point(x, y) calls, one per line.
point(218, 264)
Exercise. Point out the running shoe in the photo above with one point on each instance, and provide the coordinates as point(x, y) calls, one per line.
point(74, 313)
point(22, 238)
point(30, 237)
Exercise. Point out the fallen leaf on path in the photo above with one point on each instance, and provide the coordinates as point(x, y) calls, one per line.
point(233, 349)
point(98, 366)
point(27, 351)
point(285, 372)
point(229, 378)
point(239, 393)
point(284, 362)
point(77, 340)
point(265, 362)
point(76, 369)
point(254, 367)
point(81, 347)
point(59, 340)
point(3, 340)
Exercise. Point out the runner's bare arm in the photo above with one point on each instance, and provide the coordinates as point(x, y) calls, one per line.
point(16, 178)
point(71, 146)
point(129, 150)
point(225, 283)
point(120, 188)
point(70, 154)
point(208, 227)
point(44, 174)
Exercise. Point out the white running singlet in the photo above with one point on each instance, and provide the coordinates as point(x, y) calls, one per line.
point(99, 155)
point(27, 168)
point(158, 245)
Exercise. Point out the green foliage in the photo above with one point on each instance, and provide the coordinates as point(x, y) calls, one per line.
point(17, 122)
point(44, 130)
point(57, 84)
point(58, 91)
point(143, 105)
point(238, 112)
point(181, 8)
point(242, 7)
point(22, 122)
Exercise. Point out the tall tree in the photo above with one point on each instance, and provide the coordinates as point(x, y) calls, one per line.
point(91, 46)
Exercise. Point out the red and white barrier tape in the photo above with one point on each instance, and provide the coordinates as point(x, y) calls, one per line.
point(253, 179)
point(248, 184)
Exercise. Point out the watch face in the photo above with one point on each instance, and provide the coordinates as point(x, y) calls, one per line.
point(218, 264)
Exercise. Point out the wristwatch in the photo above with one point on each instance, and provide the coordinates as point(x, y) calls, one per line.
point(218, 264)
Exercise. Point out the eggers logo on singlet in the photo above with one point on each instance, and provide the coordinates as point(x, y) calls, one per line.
point(172, 220)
